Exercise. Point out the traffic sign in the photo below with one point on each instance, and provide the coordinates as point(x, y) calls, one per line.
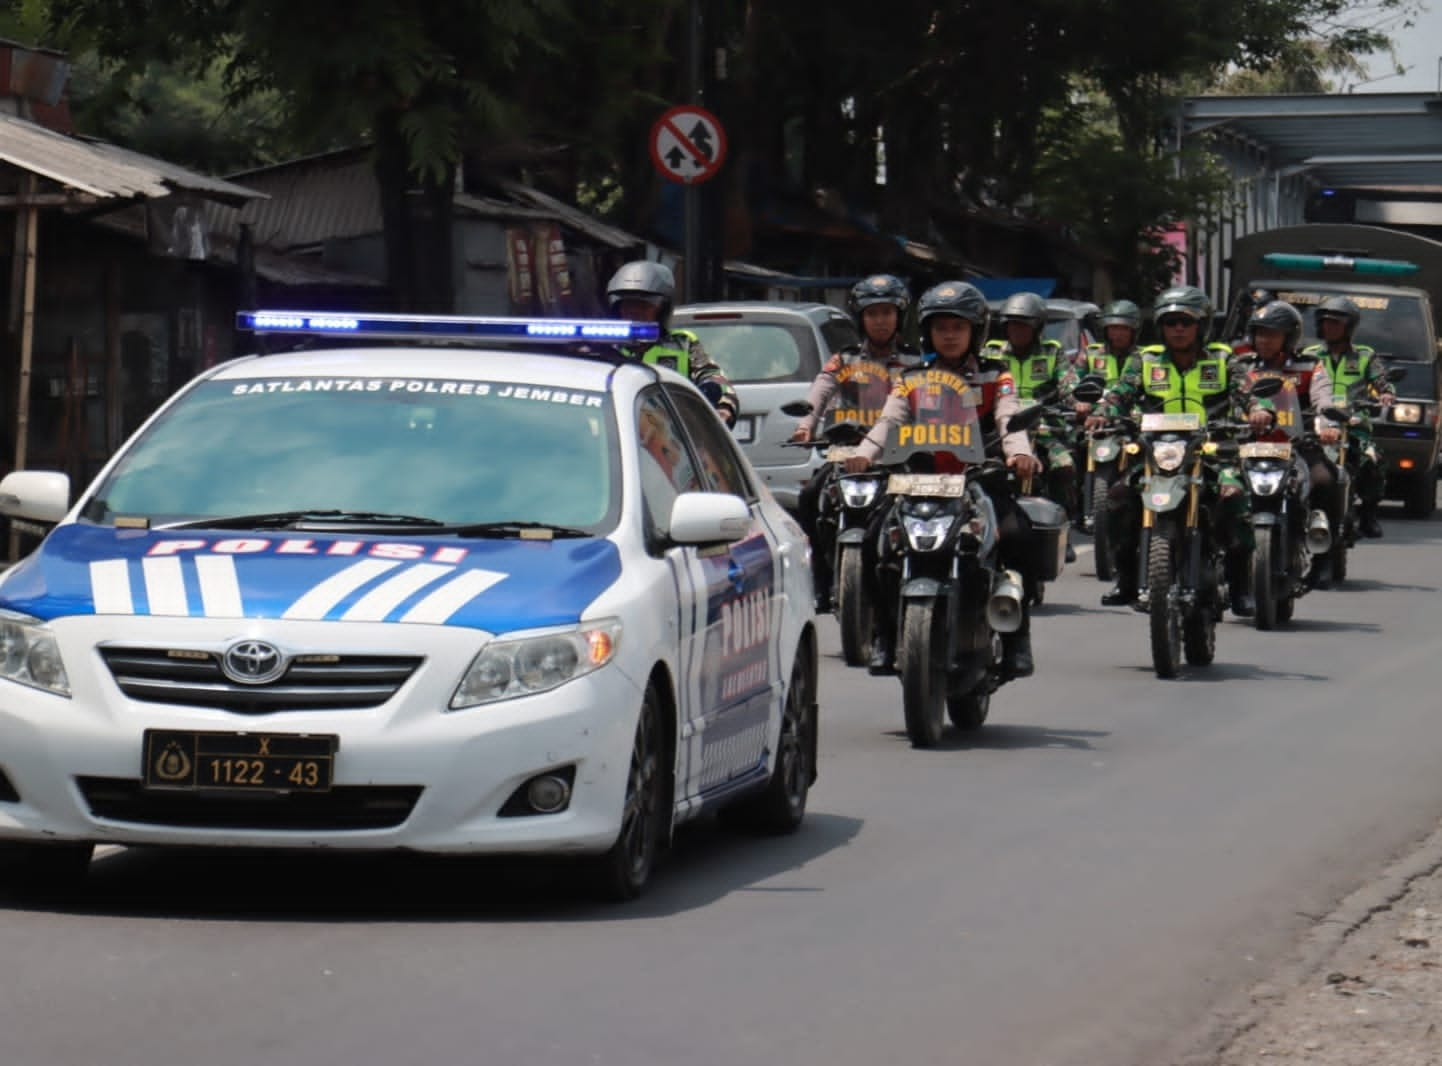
point(688, 144)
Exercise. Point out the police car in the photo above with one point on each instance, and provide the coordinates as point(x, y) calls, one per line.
point(516, 594)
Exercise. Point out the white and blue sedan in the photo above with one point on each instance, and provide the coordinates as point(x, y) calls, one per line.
point(490, 597)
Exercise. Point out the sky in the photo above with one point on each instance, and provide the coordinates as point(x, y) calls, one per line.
point(1419, 48)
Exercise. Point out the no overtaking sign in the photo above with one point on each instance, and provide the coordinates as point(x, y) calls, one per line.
point(688, 144)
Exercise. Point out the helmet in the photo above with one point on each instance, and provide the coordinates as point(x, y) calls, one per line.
point(1278, 315)
point(1025, 307)
point(1121, 313)
point(958, 298)
point(1185, 300)
point(878, 289)
point(643, 280)
point(1338, 307)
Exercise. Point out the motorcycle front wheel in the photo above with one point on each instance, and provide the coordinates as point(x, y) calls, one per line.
point(853, 610)
point(1101, 535)
point(921, 661)
point(1264, 585)
point(1165, 615)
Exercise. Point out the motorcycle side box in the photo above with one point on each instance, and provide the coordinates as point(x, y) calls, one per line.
point(1049, 521)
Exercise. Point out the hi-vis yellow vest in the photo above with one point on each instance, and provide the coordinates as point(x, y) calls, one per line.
point(1032, 371)
point(1346, 370)
point(671, 351)
point(1194, 391)
point(1102, 362)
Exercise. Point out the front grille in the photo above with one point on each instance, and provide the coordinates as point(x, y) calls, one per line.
point(310, 683)
point(121, 799)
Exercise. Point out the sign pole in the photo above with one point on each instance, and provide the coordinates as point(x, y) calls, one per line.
point(691, 280)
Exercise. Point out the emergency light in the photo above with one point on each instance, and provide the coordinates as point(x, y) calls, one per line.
point(1287, 261)
point(445, 327)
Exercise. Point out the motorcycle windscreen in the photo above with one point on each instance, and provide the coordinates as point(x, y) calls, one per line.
point(861, 391)
point(942, 417)
point(1287, 404)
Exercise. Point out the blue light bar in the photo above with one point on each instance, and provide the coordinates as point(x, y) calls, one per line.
point(445, 327)
point(1286, 260)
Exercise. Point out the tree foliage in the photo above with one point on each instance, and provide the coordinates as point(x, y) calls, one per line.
point(1058, 106)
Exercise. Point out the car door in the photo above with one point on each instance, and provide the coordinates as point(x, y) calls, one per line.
point(735, 672)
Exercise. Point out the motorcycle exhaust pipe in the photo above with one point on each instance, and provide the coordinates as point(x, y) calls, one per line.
point(1319, 534)
point(1004, 609)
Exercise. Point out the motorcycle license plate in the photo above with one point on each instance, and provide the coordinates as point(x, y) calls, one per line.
point(1172, 423)
point(839, 453)
point(946, 485)
point(1265, 450)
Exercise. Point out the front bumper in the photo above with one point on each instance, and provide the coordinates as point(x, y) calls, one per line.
point(408, 774)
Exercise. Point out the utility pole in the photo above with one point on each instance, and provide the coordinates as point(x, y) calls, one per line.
point(691, 206)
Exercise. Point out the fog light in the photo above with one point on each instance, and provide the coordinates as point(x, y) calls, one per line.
point(548, 793)
point(1406, 464)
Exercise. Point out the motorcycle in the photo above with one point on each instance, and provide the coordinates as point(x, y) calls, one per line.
point(939, 550)
point(1105, 463)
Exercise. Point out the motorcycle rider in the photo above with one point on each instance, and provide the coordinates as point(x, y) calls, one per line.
point(643, 291)
point(1183, 374)
point(1347, 363)
point(877, 305)
point(952, 318)
point(1273, 332)
point(1121, 322)
point(1039, 367)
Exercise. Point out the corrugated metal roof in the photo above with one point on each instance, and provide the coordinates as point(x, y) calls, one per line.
point(570, 216)
point(312, 200)
point(104, 171)
point(1340, 139)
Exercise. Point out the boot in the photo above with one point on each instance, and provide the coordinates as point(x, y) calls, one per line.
point(1367, 521)
point(1070, 551)
point(1016, 658)
point(1239, 585)
point(1122, 593)
point(1320, 575)
point(880, 664)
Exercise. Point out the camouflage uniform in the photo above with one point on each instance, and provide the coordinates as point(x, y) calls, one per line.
point(681, 350)
point(1044, 370)
point(1359, 363)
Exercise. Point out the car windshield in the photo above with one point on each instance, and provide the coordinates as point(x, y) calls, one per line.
point(754, 351)
point(454, 452)
point(1394, 325)
point(1065, 331)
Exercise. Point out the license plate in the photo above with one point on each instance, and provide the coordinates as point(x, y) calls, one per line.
point(242, 762)
point(744, 431)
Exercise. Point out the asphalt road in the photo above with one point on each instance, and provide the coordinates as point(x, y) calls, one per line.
point(1085, 881)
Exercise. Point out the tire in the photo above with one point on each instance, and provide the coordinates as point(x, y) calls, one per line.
point(1339, 562)
point(781, 807)
point(1199, 637)
point(1421, 498)
point(623, 871)
point(923, 671)
point(1166, 623)
point(1286, 606)
point(853, 609)
point(44, 873)
point(1101, 535)
point(968, 710)
point(1264, 585)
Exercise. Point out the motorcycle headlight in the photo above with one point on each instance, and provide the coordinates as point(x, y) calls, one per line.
point(1105, 451)
point(926, 534)
point(1265, 482)
point(1168, 455)
point(1410, 413)
point(29, 654)
point(523, 666)
point(859, 491)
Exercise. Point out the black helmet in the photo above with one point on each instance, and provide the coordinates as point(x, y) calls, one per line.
point(643, 280)
point(1277, 315)
point(878, 289)
point(1025, 307)
point(1185, 300)
point(1122, 313)
point(959, 298)
point(1342, 307)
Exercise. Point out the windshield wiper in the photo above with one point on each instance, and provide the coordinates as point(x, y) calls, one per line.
point(521, 529)
point(285, 519)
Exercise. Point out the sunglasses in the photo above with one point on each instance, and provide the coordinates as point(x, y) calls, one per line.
point(1177, 321)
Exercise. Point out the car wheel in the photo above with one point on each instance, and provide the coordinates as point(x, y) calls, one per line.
point(1421, 498)
point(623, 871)
point(782, 806)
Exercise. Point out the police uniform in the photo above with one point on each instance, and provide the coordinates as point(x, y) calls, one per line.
point(1359, 363)
point(681, 351)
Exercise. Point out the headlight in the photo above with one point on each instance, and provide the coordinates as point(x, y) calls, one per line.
point(926, 533)
point(1168, 455)
point(859, 491)
point(1265, 482)
point(1410, 413)
point(523, 666)
point(1104, 451)
point(29, 654)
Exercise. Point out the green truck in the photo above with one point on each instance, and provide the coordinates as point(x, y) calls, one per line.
point(1396, 279)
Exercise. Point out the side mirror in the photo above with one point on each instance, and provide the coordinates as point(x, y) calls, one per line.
point(1025, 419)
point(709, 518)
point(796, 408)
point(1228, 451)
point(1336, 414)
point(1265, 388)
point(1396, 373)
point(39, 495)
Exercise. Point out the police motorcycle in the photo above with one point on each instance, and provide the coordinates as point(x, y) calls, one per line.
point(938, 551)
point(1108, 451)
point(1286, 535)
point(1182, 590)
point(848, 501)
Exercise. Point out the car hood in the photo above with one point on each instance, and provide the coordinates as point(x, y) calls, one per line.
point(493, 585)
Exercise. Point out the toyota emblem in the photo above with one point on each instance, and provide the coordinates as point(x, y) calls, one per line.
point(252, 662)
